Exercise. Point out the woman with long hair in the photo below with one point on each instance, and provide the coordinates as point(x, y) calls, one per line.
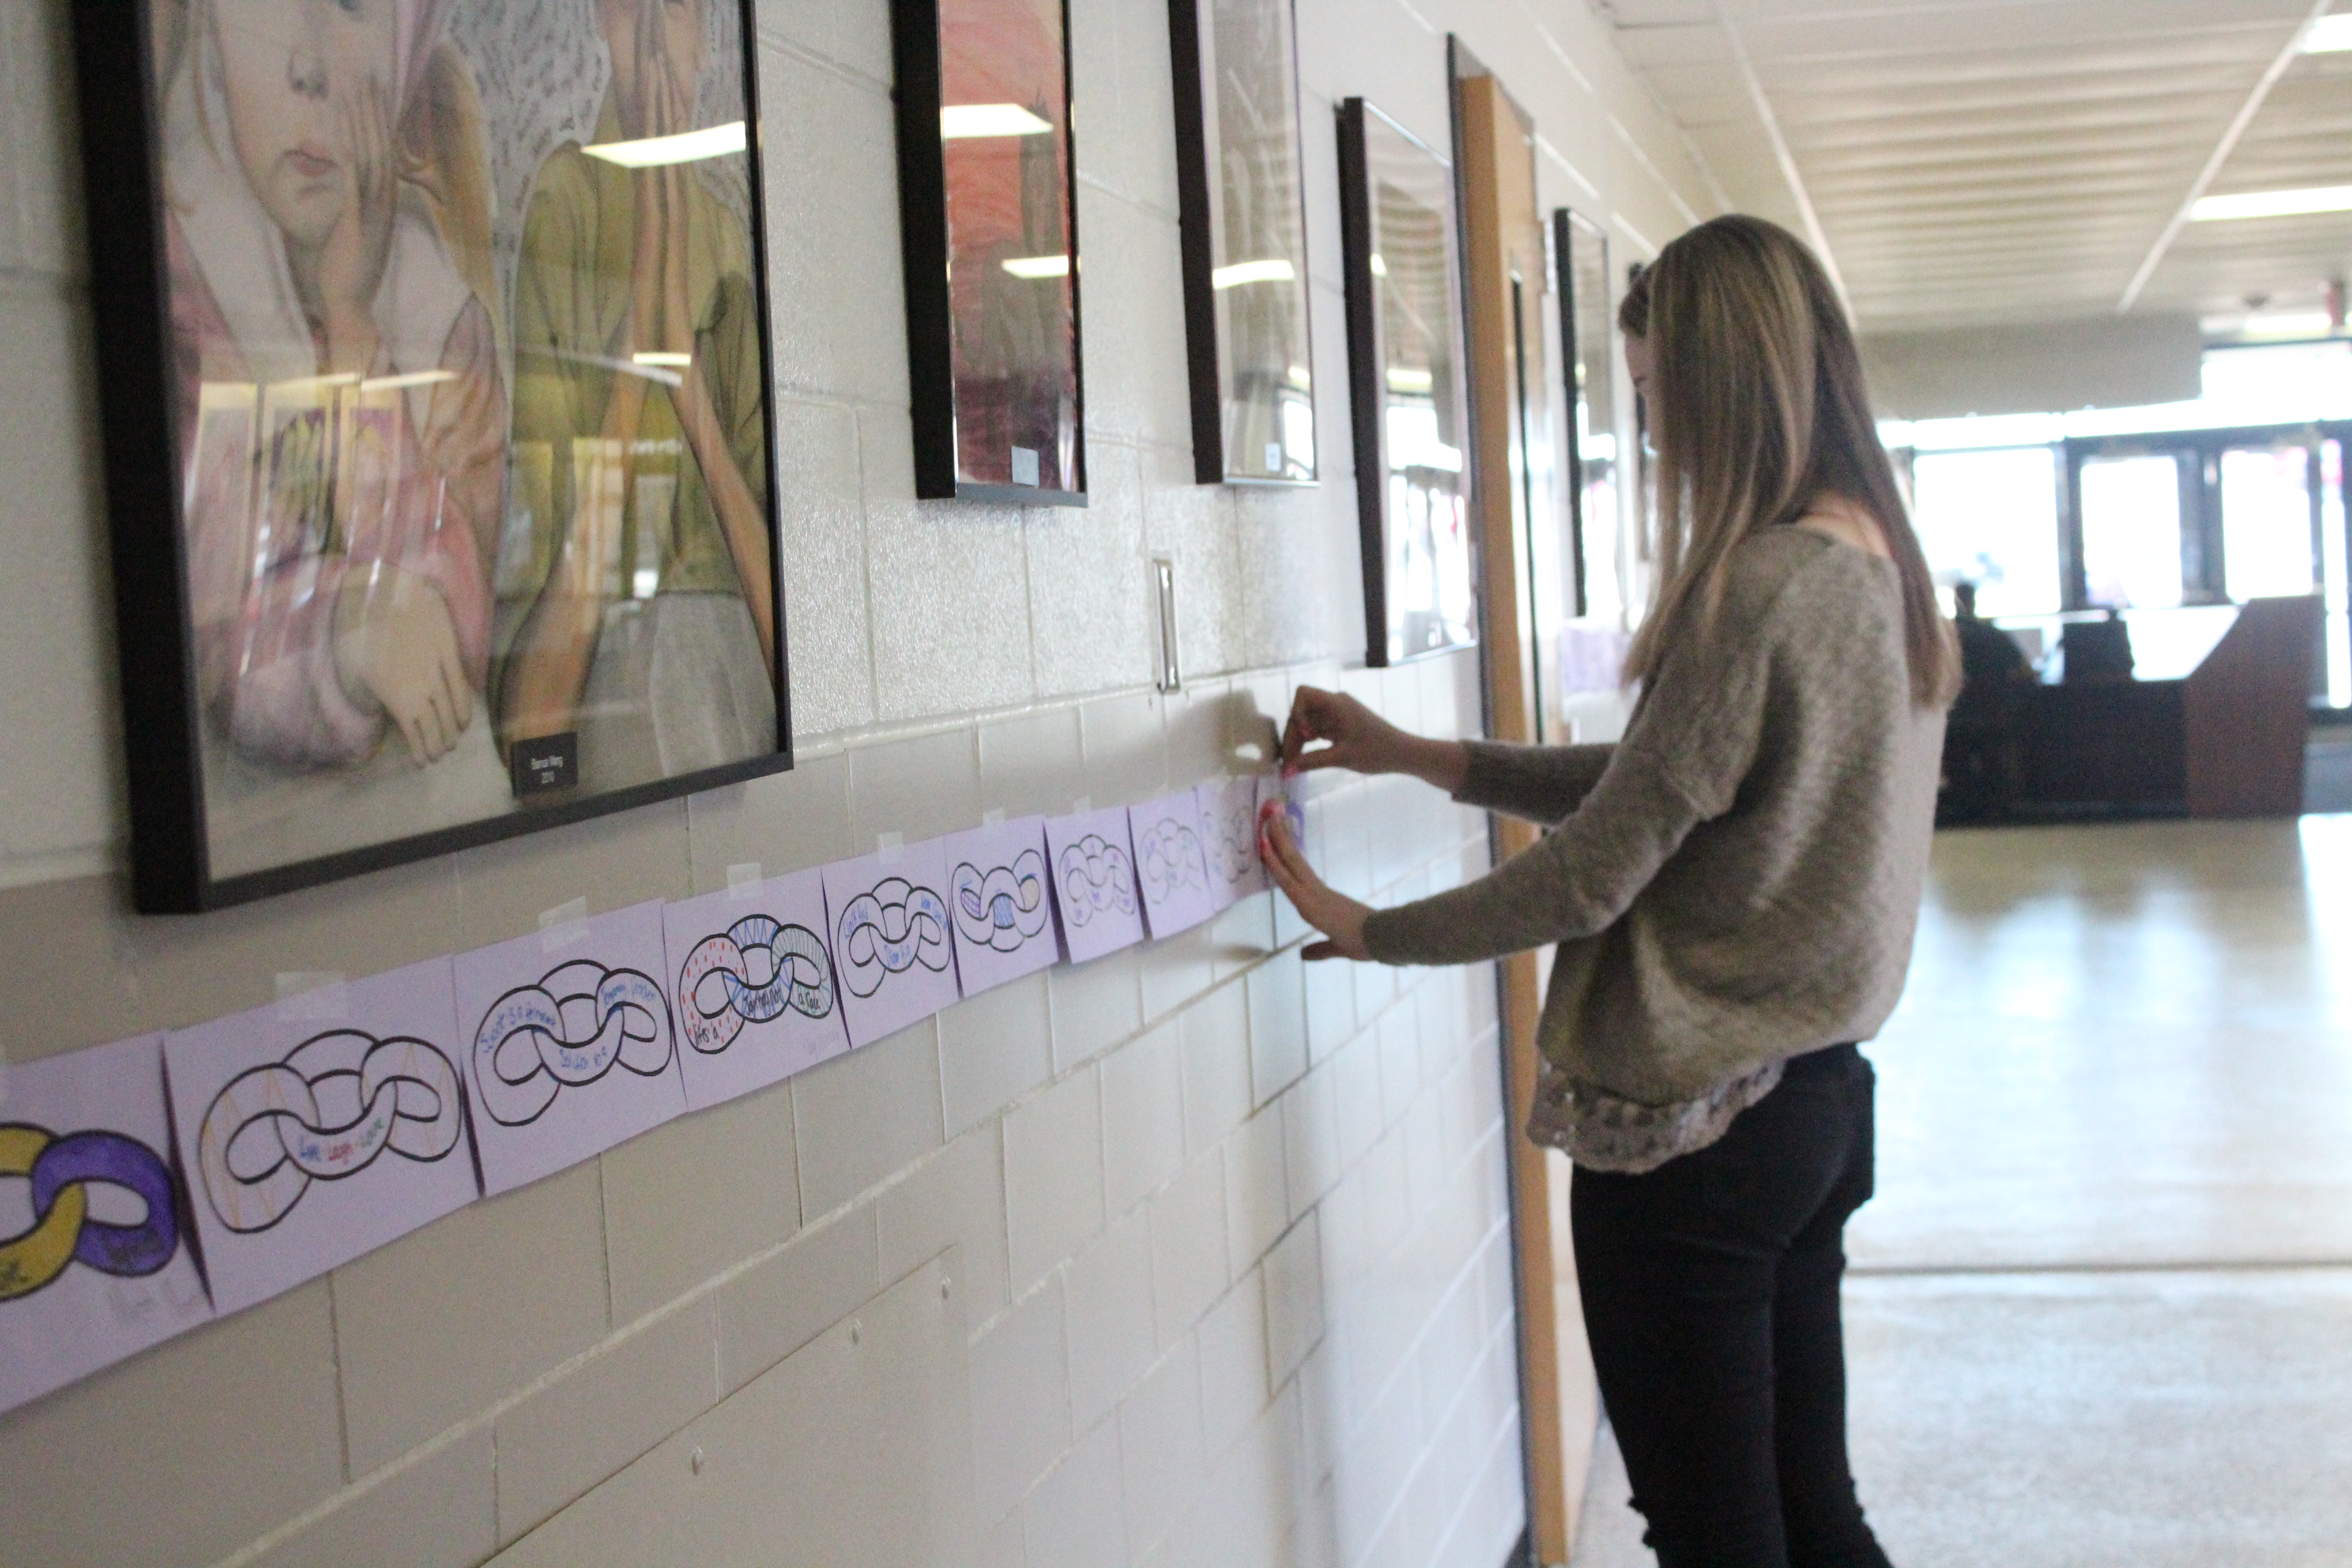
point(1733, 888)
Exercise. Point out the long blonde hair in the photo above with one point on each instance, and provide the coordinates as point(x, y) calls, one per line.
point(1758, 412)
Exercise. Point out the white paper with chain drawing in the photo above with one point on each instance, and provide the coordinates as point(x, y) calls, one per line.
point(321, 1127)
point(1287, 796)
point(1094, 890)
point(753, 985)
point(1171, 864)
point(893, 954)
point(1000, 897)
point(570, 1047)
point(94, 1265)
point(1229, 835)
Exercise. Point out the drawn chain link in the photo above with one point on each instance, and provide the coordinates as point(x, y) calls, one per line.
point(1003, 906)
point(61, 1171)
point(336, 1101)
point(572, 1029)
point(890, 931)
point(1169, 854)
point(749, 975)
point(1097, 876)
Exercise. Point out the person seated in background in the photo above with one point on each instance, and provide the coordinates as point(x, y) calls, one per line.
point(1980, 748)
point(1989, 656)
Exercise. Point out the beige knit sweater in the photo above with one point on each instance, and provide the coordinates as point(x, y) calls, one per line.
point(1735, 882)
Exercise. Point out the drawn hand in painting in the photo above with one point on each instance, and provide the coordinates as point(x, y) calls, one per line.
point(394, 639)
point(643, 389)
point(352, 262)
point(341, 410)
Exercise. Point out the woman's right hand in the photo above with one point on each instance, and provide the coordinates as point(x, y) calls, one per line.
point(1361, 741)
point(351, 267)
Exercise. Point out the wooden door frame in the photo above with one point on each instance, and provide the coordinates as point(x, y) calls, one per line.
point(1503, 239)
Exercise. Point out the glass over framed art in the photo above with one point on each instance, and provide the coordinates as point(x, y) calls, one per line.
point(1242, 200)
point(1405, 384)
point(439, 453)
point(988, 220)
point(1587, 320)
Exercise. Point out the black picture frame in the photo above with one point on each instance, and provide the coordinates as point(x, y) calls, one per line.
point(1249, 339)
point(1588, 332)
point(1400, 238)
point(173, 867)
point(948, 328)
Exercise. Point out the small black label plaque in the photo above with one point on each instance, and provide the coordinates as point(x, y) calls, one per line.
point(545, 763)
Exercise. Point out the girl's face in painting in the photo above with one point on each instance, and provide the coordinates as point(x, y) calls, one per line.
point(297, 72)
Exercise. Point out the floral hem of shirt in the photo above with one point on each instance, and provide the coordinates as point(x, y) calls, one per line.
point(1604, 1131)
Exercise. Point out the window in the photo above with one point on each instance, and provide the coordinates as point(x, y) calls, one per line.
point(2334, 545)
point(1992, 518)
point(2266, 522)
point(2131, 531)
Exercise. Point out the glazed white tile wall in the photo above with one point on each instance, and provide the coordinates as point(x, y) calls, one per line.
point(1196, 1254)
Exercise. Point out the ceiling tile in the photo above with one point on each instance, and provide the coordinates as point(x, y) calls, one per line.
point(2011, 160)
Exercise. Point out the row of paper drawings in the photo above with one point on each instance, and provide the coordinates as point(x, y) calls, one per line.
point(301, 1135)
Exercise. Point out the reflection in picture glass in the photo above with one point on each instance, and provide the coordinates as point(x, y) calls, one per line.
point(470, 390)
point(1005, 141)
point(1603, 568)
point(1257, 233)
point(1414, 495)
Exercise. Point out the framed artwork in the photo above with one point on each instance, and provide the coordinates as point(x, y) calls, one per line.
point(988, 218)
point(1588, 329)
point(438, 446)
point(1242, 201)
point(1405, 384)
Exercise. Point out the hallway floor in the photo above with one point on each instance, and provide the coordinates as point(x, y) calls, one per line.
point(2101, 1309)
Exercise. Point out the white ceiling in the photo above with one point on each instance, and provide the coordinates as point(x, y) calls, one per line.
point(1980, 161)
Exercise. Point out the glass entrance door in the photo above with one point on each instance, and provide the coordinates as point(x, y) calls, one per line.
point(2335, 570)
point(2131, 531)
point(2270, 520)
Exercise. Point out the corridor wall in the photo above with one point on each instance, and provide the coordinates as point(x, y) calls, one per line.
point(1194, 1254)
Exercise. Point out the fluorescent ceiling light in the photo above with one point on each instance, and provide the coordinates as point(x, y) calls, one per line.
point(1410, 380)
point(414, 378)
point(686, 147)
point(680, 361)
point(2283, 324)
point(1276, 271)
point(1038, 266)
point(1380, 265)
point(2273, 204)
point(2329, 34)
point(960, 121)
point(316, 382)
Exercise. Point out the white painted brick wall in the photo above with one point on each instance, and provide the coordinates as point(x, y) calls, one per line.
point(1222, 1269)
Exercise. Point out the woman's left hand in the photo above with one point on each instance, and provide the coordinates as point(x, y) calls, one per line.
point(1339, 918)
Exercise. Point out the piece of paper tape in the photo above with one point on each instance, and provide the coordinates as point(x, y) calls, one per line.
point(563, 925)
point(312, 997)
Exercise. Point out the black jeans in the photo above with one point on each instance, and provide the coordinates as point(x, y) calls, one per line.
point(1710, 1290)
